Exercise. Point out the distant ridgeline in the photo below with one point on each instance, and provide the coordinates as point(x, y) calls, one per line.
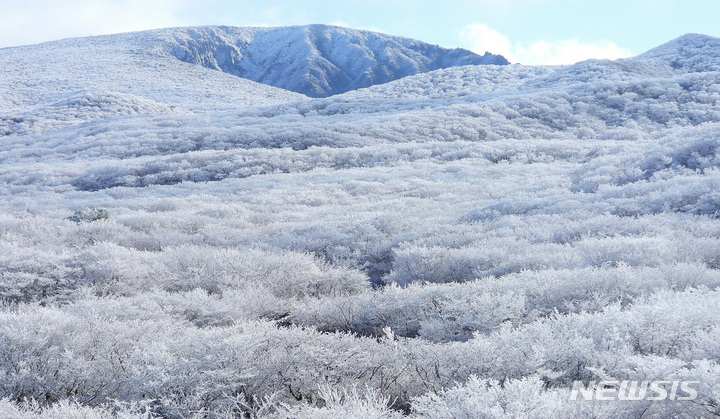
point(315, 60)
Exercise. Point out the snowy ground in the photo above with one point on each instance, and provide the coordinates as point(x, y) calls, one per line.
point(467, 242)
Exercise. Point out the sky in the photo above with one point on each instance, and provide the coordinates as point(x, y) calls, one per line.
point(524, 31)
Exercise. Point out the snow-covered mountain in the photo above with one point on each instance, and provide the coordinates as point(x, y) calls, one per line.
point(691, 53)
point(315, 60)
point(470, 241)
point(56, 84)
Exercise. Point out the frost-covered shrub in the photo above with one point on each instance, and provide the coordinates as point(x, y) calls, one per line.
point(35, 273)
point(89, 214)
point(66, 409)
point(118, 270)
point(351, 404)
point(421, 264)
point(479, 398)
point(435, 313)
point(183, 369)
point(530, 398)
point(284, 274)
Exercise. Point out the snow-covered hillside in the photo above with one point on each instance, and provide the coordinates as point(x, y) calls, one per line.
point(689, 53)
point(465, 242)
point(52, 85)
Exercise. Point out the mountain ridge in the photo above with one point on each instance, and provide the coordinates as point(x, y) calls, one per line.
point(315, 60)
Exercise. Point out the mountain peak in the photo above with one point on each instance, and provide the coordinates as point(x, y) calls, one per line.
point(691, 52)
point(316, 60)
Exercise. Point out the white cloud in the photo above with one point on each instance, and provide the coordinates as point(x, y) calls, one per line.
point(568, 51)
point(481, 38)
point(50, 20)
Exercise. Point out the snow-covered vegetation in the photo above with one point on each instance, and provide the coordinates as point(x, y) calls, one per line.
point(469, 242)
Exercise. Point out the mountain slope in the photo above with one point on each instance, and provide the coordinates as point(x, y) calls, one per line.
point(315, 60)
point(689, 53)
point(56, 84)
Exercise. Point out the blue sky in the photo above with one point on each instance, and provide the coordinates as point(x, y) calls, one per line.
point(526, 31)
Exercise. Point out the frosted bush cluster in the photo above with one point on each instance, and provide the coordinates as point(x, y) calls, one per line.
point(466, 242)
